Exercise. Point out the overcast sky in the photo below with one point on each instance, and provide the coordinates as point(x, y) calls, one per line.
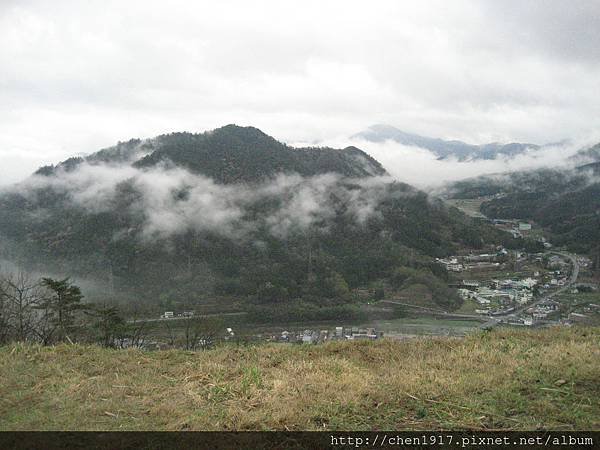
point(78, 76)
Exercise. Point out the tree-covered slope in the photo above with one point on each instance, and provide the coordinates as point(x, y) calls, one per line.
point(564, 201)
point(231, 154)
point(235, 154)
point(271, 223)
point(573, 217)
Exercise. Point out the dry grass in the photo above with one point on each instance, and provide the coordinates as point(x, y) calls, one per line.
point(499, 380)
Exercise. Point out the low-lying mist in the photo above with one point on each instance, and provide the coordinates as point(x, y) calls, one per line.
point(421, 168)
point(170, 200)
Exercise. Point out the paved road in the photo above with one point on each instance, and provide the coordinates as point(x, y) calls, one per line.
point(513, 314)
point(491, 322)
point(568, 284)
point(439, 312)
point(184, 318)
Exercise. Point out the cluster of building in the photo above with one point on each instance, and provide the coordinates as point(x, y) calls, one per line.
point(469, 262)
point(535, 314)
point(542, 313)
point(337, 334)
point(517, 228)
point(497, 260)
point(555, 262)
point(558, 275)
point(584, 314)
point(581, 312)
point(498, 295)
point(173, 315)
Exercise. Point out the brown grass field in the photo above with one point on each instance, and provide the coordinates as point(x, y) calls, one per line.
point(505, 379)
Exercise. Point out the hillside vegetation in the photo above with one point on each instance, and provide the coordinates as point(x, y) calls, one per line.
point(231, 213)
point(573, 217)
point(503, 379)
point(231, 154)
point(566, 202)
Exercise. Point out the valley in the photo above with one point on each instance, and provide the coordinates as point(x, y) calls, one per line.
point(232, 230)
point(190, 282)
point(299, 225)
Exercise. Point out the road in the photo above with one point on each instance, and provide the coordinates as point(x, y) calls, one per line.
point(491, 322)
point(568, 284)
point(513, 314)
point(199, 316)
point(436, 312)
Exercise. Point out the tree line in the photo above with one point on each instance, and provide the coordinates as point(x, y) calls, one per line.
point(50, 311)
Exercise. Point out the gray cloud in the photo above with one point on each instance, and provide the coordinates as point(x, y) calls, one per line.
point(78, 76)
point(571, 37)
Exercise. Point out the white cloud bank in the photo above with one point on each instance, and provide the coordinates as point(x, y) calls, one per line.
point(171, 201)
point(421, 168)
point(79, 76)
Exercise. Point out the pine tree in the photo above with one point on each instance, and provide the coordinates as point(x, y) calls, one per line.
point(60, 308)
point(109, 324)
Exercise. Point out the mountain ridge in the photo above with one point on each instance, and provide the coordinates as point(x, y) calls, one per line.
point(230, 154)
point(565, 201)
point(441, 148)
point(171, 219)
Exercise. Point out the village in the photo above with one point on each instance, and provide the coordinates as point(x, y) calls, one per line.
point(498, 286)
point(318, 337)
point(517, 288)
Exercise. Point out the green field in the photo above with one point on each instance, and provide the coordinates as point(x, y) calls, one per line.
point(469, 206)
point(425, 325)
point(468, 307)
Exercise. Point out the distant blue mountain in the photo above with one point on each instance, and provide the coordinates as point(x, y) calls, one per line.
point(441, 148)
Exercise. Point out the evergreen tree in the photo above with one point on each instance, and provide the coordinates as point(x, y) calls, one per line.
point(108, 324)
point(60, 308)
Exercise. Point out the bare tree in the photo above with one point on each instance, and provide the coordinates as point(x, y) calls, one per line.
point(134, 331)
point(108, 325)
point(4, 324)
point(20, 296)
point(171, 333)
point(201, 332)
point(139, 334)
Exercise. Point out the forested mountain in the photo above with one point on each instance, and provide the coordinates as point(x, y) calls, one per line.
point(444, 149)
point(187, 217)
point(564, 201)
point(232, 154)
point(587, 155)
point(573, 216)
point(590, 167)
point(551, 181)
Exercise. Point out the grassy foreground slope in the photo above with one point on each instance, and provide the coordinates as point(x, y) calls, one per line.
point(503, 379)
